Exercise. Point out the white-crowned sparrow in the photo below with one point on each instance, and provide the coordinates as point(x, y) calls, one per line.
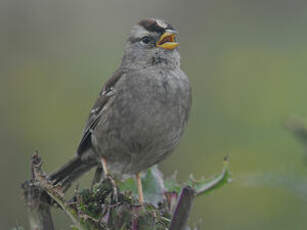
point(141, 112)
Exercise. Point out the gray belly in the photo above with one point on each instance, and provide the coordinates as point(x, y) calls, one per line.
point(143, 122)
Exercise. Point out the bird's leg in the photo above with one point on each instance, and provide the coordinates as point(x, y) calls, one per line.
point(104, 166)
point(140, 188)
point(107, 175)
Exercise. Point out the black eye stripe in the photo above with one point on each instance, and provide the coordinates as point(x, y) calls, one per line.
point(142, 39)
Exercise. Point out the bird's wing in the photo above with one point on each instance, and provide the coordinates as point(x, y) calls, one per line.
point(106, 93)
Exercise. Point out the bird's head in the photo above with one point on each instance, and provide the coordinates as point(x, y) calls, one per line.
point(151, 42)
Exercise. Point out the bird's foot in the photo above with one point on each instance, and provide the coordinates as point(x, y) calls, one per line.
point(114, 187)
point(105, 175)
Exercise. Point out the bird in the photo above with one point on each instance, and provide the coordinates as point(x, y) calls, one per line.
point(141, 112)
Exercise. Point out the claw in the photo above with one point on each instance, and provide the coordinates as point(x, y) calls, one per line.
point(114, 187)
point(108, 176)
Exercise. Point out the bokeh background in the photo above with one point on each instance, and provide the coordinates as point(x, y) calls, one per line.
point(247, 61)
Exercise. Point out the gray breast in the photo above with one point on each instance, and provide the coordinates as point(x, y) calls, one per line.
point(144, 120)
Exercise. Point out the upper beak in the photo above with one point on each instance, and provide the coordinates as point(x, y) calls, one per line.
point(168, 41)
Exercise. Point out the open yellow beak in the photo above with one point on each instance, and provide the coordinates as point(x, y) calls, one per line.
point(167, 41)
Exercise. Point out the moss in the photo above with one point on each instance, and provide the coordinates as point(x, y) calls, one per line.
point(98, 208)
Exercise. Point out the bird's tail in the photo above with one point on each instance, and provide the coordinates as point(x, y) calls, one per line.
point(71, 171)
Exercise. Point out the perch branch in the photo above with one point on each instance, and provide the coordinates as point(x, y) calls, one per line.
point(183, 209)
point(54, 192)
point(37, 201)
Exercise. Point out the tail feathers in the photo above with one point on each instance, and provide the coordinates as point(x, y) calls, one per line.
point(71, 171)
point(67, 181)
point(64, 171)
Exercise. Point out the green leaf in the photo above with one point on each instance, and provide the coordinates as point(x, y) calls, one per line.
point(202, 186)
point(153, 186)
point(205, 186)
point(171, 184)
point(128, 185)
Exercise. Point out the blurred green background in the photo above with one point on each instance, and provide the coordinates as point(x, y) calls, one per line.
point(247, 61)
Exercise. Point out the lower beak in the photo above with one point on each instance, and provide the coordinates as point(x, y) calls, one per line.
point(167, 41)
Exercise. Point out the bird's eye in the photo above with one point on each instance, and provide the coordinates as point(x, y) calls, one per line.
point(146, 40)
